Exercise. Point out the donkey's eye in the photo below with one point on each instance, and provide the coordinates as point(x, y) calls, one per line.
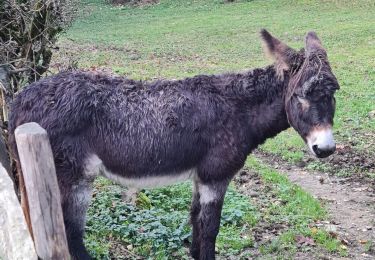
point(304, 102)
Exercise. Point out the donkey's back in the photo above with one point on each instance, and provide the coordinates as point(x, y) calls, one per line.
point(137, 129)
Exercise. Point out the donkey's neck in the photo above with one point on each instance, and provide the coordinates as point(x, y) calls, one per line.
point(266, 111)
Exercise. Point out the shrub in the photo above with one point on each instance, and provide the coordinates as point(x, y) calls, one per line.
point(28, 31)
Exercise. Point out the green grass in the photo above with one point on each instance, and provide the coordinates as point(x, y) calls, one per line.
point(298, 209)
point(298, 206)
point(288, 145)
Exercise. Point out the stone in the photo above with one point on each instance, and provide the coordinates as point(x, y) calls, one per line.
point(331, 228)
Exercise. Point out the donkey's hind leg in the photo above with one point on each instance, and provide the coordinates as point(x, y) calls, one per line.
point(75, 199)
point(194, 214)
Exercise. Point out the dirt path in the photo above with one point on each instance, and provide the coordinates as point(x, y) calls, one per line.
point(351, 205)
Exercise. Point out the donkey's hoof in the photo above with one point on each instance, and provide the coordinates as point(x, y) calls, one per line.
point(194, 252)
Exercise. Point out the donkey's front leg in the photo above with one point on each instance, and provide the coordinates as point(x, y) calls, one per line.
point(211, 202)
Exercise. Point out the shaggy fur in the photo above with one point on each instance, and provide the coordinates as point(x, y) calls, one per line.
point(157, 129)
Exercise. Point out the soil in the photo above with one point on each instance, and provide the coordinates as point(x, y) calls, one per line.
point(350, 203)
point(357, 164)
point(350, 158)
point(354, 157)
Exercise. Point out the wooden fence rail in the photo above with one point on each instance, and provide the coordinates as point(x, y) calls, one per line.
point(43, 193)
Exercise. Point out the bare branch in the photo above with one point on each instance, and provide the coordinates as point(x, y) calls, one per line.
point(28, 32)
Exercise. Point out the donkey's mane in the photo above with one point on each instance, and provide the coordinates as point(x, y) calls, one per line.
point(311, 69)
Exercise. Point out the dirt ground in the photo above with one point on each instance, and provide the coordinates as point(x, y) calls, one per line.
point(350, 203)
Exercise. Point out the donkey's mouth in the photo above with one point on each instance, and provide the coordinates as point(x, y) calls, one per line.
point(321, 142)
point(322, 153)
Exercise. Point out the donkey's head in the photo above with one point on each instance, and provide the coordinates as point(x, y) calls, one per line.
point(309, 97)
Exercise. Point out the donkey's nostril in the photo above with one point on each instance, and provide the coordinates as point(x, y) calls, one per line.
point(315, 149)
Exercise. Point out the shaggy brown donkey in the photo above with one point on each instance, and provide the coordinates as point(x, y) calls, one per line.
point(203, 128)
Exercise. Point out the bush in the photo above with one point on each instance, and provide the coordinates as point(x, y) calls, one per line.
point(28, 31)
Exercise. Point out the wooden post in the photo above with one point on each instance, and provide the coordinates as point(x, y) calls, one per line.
point(39, 174)
point(4, 157)
point(15, 240)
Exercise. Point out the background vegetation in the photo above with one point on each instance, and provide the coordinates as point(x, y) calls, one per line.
point(28, 31)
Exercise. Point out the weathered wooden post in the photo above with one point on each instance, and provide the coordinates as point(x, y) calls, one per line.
point(43, 193)
point(15, 240)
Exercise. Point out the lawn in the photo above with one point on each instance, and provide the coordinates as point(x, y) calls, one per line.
point(177, 39)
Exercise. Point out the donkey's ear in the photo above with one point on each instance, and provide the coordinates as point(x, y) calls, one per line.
point(279, 51)
point(312, 43)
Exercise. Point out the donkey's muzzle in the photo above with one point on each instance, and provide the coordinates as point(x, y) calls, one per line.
point(321, 142)
point(322, 153)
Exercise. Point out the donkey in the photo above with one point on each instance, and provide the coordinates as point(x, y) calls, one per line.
point(147, 134)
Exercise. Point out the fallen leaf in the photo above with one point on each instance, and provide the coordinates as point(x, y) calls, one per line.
point(333, 234)
point(340, 147)
point(345, 242)
point(302, 240)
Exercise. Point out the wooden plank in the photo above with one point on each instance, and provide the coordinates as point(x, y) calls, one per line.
point(39, 174)
point(4, 156)
point(15, 239)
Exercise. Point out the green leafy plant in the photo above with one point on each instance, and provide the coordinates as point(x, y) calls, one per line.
point(158, 225)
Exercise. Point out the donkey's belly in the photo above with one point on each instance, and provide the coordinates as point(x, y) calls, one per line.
point(94, 167)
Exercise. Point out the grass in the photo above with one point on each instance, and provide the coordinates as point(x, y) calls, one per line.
point(297, 205)
point(177, 39)
point(298, 209)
